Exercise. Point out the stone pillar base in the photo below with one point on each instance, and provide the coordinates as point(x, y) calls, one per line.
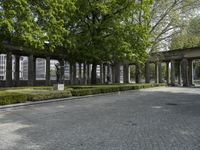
point(59, 87)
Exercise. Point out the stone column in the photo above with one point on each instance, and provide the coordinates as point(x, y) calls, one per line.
point(104, 73)
point(31, 70)
point(147, 73)
point(47, 71)
point(126, 73)
point(138, 73)
point(101, 74)
point(160, 72)
point(167, 73)
point(190, 72)
point(9, 69)
point(74, 73)
point(71, 74)
point(62, 70)
point(179, 73)
point(111, 72)
point(116, 71)
point(80, 73)
point(89, 73)
point(129, 74)
point(172, 72)
point(17, 70)
point(184, 72)
point(85, 73)
point(156, 73)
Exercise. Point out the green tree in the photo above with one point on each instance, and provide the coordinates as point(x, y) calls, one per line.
point(194, 27)
point(35, 23)
point(189, 37)
point(105, 31)
point(168, 18)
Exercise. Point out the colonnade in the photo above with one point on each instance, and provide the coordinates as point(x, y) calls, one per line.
point(184, 70)
point(108, 73)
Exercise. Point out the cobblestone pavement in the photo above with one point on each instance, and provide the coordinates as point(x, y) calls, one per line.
point(165, 118)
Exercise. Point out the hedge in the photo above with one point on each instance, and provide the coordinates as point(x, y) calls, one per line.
point(39, 96)
point(110, 88)
point(12, 98)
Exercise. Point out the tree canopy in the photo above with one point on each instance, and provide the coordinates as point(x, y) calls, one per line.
point(105, 30)
point(34, 23)
point(86, 31)
point(169, 18)
point(189, 37)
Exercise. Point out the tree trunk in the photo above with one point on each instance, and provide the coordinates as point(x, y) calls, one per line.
point(93, 74)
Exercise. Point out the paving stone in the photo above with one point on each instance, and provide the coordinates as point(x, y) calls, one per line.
point(164, 118)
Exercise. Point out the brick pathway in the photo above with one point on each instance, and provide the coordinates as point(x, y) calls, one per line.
point(152, 119)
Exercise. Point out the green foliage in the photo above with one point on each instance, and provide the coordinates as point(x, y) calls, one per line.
point(184, 40)
point(168, 18)
point(104, 30)
point(89, 90)
point(17, 95)
point(12, 98)
point(34, 23)
point(39, 96)
point(189, 37)
point(194, 27)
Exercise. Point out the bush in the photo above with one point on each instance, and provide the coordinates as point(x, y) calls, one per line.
point(110, 89)
point(38, 96)
point(12, 98)
point(88, 90)
point(20, 95)
point(81, 92)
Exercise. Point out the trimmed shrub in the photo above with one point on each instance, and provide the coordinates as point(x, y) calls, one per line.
point(12, 98)
point(20, 95)
point(81, 92)
point(88, 90)
point(39, 96)
point(125, 88)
